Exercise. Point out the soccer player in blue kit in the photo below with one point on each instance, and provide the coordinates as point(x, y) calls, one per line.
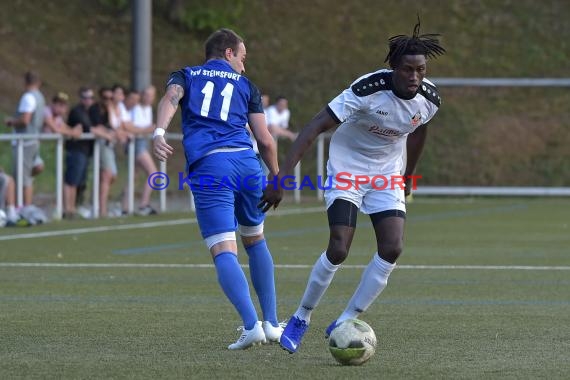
point(217, 102)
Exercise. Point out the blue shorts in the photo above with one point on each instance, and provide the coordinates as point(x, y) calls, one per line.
point(227, 186)
point(76, 164)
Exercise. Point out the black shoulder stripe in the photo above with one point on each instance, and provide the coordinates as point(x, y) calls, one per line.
point(373, 83)
point(429, 91)
point(333, 115)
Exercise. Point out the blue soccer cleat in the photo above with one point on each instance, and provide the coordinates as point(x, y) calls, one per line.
point(293, 334)
point(329, 329)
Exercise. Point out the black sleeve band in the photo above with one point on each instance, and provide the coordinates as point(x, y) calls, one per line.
point(177, 77)
point(254, 105)
point(333, 115)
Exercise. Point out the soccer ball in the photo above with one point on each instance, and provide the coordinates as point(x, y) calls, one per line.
point(352, 342)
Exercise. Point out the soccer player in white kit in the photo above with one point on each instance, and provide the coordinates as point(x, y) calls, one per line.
point(381, 115)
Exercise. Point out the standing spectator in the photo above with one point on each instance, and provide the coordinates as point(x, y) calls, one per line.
point(142, 125)
point(119, 95)
point(29, 120)
point(118, 114)
point(101, 114)
point(54, 114)
point(78, 152)
point(278, 116)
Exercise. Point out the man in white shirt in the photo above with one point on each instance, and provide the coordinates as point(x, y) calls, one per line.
point(278, 116)
point(381, 115)
point(29, 120)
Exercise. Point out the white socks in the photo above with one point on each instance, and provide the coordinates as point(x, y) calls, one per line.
point(319, 280)
point(373, 281)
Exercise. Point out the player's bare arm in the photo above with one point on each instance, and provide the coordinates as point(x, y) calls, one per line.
point(414, 146)
point(322, 122)
point(265, 142)
point(165, 112)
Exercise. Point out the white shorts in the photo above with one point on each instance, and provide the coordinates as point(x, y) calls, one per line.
point(370, 193)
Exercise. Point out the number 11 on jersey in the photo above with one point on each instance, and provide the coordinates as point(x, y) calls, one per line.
point(226, 93)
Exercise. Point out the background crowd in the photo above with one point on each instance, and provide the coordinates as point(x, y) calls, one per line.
point(115, 116)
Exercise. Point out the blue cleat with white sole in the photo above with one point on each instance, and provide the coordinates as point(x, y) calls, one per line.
point(329, 329)
point(293, 334)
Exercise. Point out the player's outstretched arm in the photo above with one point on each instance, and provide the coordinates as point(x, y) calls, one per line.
point(414, 146)
point(165, 112)
point(322, 122)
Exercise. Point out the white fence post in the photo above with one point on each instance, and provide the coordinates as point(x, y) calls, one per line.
point(296, 191)
point(59, 178)
point(131, 177)
point(20, 173)
point(162, 193)
point(96, 173)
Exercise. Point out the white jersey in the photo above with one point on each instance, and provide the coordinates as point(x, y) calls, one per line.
point(142, 116)
point(276, 118)
point(375, 124)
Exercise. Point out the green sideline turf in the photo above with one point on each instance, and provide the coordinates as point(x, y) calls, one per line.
point(136, 302)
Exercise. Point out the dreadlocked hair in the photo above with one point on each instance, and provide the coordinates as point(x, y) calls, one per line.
point(425, 44)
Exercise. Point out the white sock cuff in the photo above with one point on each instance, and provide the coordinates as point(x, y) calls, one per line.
point(251, 230)
point(218, 238)
point(327, 264)
point(383, 265)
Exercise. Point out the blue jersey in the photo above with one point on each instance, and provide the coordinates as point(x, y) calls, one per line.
point(215, 108)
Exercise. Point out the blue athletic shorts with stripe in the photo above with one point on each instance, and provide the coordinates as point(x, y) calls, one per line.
point(227, 186)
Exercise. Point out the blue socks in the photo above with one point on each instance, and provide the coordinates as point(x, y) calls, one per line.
point(262, 277)
point(235, 286)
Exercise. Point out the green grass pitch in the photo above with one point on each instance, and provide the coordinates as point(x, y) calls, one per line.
point(140, 299)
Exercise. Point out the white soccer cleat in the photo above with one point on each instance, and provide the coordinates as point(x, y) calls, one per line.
point(272, 333)
point(249, 338)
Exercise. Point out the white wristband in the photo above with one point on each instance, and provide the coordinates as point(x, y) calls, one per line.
point(159, 132)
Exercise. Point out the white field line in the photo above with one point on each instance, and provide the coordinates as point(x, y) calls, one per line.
point(135, 226)
point(278, 266)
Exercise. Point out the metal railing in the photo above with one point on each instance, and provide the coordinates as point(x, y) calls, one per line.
point(20, 139)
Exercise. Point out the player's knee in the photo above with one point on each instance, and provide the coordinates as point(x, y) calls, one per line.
point(390, 251)
point(337, 252)
point(248, 241)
